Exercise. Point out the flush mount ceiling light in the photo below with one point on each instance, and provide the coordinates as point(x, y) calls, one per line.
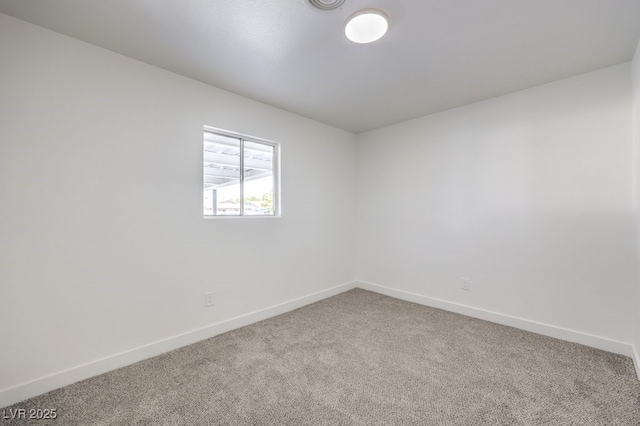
point(326, 4)
point(366, 26)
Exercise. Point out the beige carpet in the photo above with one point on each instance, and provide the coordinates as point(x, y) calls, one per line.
point(361, 358)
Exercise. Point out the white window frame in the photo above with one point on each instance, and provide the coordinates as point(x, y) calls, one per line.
point(275, 172)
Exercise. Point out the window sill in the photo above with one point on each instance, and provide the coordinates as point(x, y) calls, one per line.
point(216, 217)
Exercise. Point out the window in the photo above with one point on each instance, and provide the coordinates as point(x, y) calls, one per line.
point(240, 175)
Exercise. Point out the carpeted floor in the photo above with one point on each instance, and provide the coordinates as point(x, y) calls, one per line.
point(361, 358)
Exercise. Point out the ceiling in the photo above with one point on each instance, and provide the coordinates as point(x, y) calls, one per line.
point(438, 54)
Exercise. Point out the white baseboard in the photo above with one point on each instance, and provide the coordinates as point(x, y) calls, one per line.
point(56, 380)
point(511, 321)
point(636, 360)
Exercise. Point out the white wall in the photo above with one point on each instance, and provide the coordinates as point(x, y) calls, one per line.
point(103, 247)
point(528, 195)
point(636, 145)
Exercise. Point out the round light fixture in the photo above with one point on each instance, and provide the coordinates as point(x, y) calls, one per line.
point(366, 26)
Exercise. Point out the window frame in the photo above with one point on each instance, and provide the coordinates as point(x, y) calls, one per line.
point(276, 173)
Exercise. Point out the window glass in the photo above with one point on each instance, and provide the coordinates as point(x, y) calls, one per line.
point(221, 175)
point(239, 175)
point(258, 179)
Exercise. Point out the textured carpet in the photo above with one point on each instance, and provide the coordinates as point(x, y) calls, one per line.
point(360, 358)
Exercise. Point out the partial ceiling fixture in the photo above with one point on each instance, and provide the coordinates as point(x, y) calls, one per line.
point(326, 4)
point(366, 26)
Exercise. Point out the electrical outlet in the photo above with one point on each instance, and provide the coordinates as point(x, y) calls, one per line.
point(210, 301)
point(466, 284)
